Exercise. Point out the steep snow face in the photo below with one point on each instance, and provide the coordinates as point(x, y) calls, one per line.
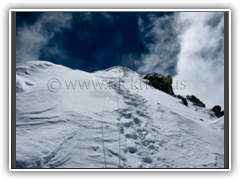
point(72, 119)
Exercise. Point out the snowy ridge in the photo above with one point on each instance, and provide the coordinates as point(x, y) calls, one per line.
point(119, 68)
point(143, 128)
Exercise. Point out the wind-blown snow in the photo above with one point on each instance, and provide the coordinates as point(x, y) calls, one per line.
point(144, 128)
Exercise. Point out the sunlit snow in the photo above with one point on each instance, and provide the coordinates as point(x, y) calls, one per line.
point(60, 125)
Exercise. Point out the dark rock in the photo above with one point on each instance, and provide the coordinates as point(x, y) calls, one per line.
point(217, 111)
point(222, 113)
point(183, 100)
point(146, 76)
point(217, 108)
point(160, 82)
point(196, 101)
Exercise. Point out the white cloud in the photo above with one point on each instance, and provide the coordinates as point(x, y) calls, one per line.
point(162, 42)
point(107, 16)
point(31, 39)
point(200, 60)
point(86, 16)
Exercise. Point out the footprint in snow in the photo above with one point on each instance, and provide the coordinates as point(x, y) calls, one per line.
point(147, 160)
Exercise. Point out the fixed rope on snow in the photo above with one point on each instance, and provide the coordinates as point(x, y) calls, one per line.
point(119, 149)
point(102, 132)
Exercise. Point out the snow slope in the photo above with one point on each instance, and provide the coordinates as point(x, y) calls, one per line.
point(139, 127)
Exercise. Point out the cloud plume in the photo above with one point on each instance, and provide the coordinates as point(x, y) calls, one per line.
point(31, 39)
point(161, 39)
point(189, 46)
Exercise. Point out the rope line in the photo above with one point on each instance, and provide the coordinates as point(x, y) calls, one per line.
point(119, 152)
point(102, 131)
point(119, 139)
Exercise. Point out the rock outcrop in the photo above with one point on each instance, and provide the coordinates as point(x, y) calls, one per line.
point(217, 111)
point(183, 100)
point(160, 82)
point(164, 83)
point(196, 101)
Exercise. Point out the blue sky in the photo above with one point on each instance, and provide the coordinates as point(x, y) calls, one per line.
point(88, 41)
point(187, 45)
